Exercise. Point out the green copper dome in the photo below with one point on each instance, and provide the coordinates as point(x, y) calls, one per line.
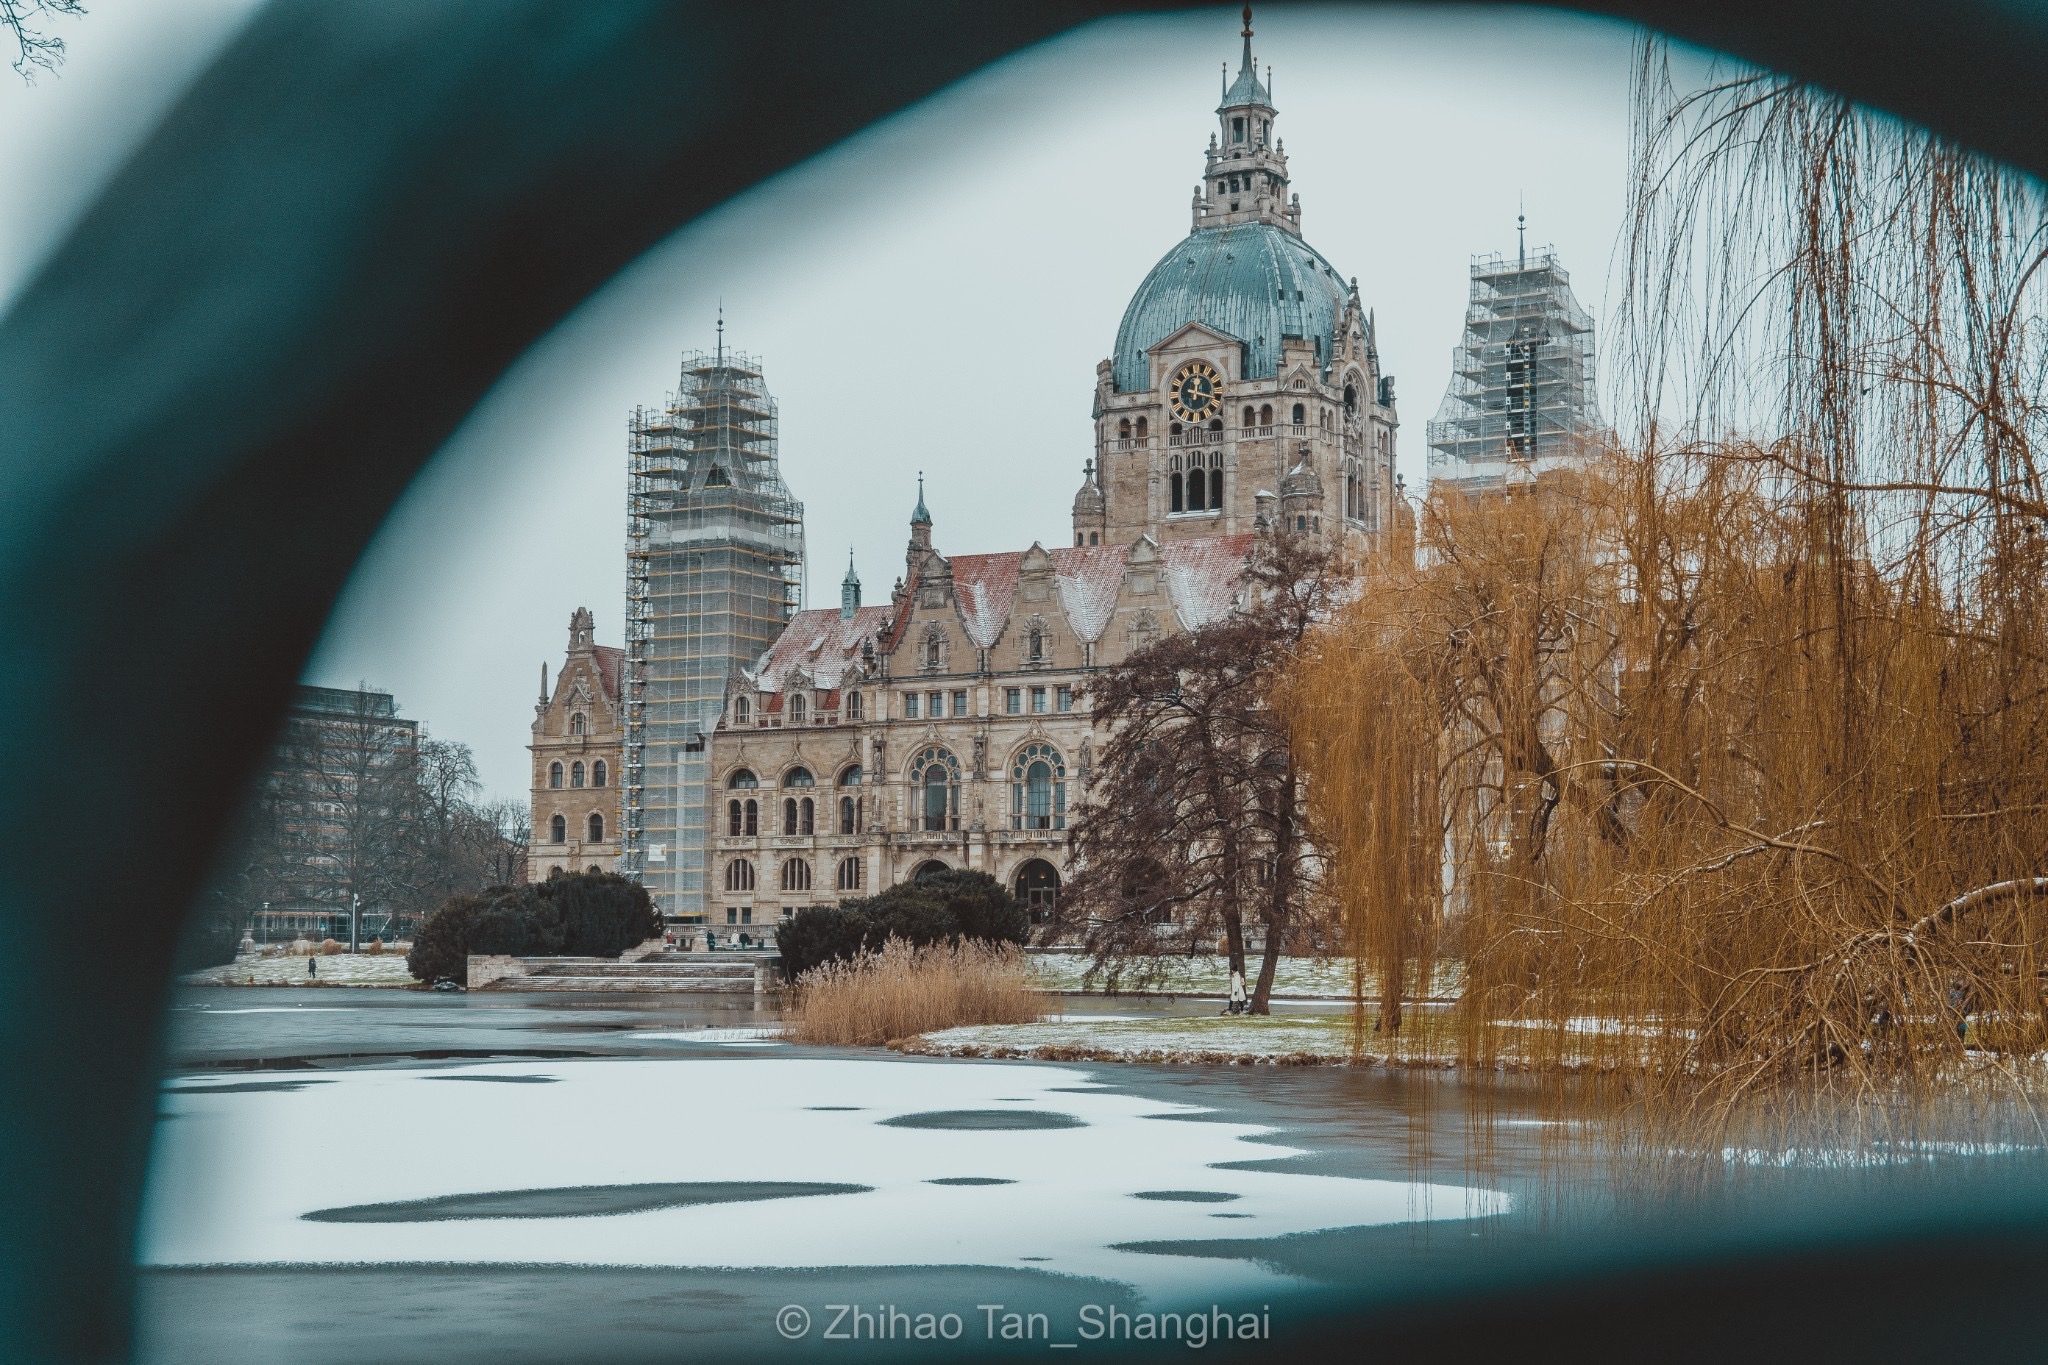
point(1252, 281)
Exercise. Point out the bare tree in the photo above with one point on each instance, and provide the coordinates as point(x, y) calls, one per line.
point(36, 50)
point(1192, 827)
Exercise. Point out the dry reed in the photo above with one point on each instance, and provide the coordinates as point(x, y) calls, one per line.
point(902, 990)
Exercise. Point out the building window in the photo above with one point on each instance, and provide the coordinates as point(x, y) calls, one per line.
point(1064, 698)
point(558, 830)
point(910, 706)
point(741, 710)
point(732, 914)
point(746, 916)
point(599, 774)
point(1037, 701)
point(1265, 414)
point(806, 814)
point(796, 709)
point(596, 828)
point(849, 874)
point(1175, 500)
point(935, 705)
point(576, 774)
point(1142, 425)
point(1038, 889)
point(554, 774)
point(753, 818)
point(796, 875)
point(1013, 701)
point(1249, 417)
point(849, 815)
point(789, 815)
point(799, 777)
point(739, 876)
point(1237, 130)
point(743, 778)
point(732, 819)
point(1300, 414)
point(935, 786)
point(960, 703)
point(1195, 484)
point(853, 706)
point(1215, 489)
point(1123, 429)
point(1038, 789)
point(577, 724)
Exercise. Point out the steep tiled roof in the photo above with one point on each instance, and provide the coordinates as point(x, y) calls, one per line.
point(609, 661)
point(985, 586)
point(819, 645)
point(1203, 576)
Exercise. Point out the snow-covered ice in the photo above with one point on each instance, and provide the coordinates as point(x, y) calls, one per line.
point(234, 1173)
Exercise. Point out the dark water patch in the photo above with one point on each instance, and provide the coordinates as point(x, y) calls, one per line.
point(985, 1120)
point(1230, 1215)
point(970, 1180)
point(500, 1080)
point(332, 1061)
point(1034, 1258)
point(832, 1108)
point(1187, 1196)
point(576, 1201)
point(244, 1087)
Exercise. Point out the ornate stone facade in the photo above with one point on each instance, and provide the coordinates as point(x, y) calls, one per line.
point(576, 753)
point(951, 727)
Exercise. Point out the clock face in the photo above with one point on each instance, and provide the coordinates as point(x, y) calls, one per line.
point(1197, 391)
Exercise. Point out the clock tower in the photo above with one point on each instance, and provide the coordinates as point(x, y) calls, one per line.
point(1246, 382)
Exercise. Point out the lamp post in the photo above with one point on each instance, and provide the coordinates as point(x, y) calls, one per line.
point(355, 921)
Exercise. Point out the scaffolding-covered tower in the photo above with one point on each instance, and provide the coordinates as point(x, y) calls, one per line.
point(714, 570)
point(1521, 397)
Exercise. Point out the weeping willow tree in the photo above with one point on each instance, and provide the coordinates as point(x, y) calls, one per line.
point(1721, 762)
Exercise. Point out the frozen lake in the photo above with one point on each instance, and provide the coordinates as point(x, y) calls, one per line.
point(397, 1176)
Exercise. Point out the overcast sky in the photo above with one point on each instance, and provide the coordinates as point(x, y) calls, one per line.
point(933, 295)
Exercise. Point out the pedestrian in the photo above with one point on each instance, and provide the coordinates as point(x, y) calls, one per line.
point(1237, 1002)
point(312, 966)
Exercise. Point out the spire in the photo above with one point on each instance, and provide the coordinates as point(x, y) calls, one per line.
point(543, 685)
point(1246, 65)
point(721, 334)
point(920, 516)
point(1246, 89)
point(1521, 238)
point(849, 589)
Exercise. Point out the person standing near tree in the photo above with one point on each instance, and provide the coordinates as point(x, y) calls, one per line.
point(312, 968)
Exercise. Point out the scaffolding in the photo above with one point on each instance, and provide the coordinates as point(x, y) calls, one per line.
point(714, 571)
point(1521, 396)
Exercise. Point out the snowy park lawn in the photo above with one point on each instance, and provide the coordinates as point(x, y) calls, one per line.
point(343, 969)
point(1297, 977)
point(1302, 1039)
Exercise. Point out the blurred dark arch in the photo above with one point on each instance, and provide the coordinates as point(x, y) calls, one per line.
point(217, 387)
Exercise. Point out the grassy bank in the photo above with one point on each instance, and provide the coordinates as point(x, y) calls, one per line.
point(902, 991)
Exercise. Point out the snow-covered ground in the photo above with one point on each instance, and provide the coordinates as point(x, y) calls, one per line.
point(1295, 978)
point(219, 1195)
point(343, 969)
point(1315, 1037)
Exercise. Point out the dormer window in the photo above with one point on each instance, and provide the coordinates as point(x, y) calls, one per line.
point(796, 709)
point(741, 710)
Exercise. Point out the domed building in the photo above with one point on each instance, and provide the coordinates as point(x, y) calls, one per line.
point(948, 727)
point(1242, 356)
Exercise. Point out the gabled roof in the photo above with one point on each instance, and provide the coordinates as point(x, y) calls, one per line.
point(610, 660)
point(820, 645)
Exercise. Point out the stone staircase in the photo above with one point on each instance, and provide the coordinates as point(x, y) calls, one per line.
point(664, 972)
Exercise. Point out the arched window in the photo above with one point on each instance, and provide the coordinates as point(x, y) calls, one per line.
point(1301, 523)
point(1038, 788)
point(1216, 489)
point(576, 774)
point(805, 816)
point(1173, 483)
point(1195, 485)
point(739, 875)
point(849, 815)
point(850, 776)
point(1350, 398)
point(789, 815)
point(935, 789)
point(732, 819)
point(1172, 429)
point(1300, 414)
point(930, 867)
point(799, 777)
point(558, 830)
point(578, 725)
point(796, 709)
point(598, 773)
point(849, 874)
point(741, 709)
point(596, 828)
point(1142, 424)
point(1248, 416)
point(1123, 429)
point(753, 818)
point(1215, 424)
point(743, 778)
point(1265, 414)
point(554, 774)
point(796, 875)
